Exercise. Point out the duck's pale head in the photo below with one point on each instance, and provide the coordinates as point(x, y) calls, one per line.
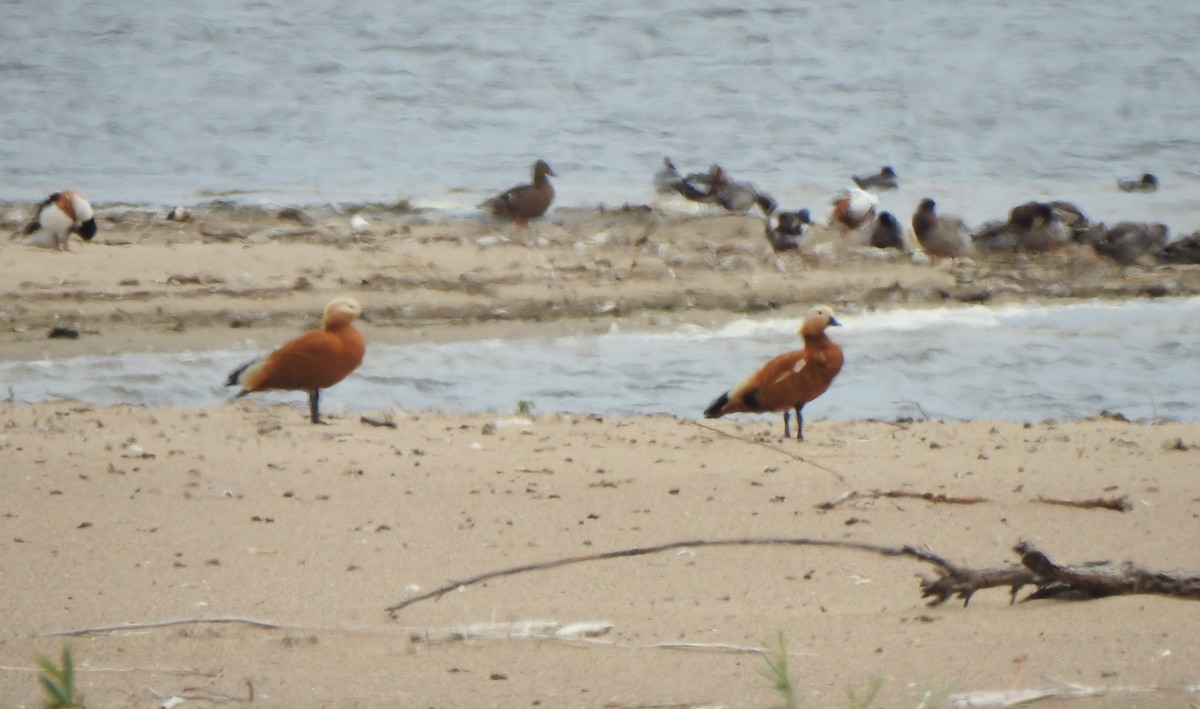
point(817, 319)
point(342, 309)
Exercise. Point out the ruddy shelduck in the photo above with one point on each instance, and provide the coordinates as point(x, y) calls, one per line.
point(791, 380)
point(58, 216)
point(854, 207)
point(314, 361)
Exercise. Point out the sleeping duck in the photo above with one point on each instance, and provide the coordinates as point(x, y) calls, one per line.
point(887, 233)
point(1146, 183)
point(885, 180)
point(739, 197)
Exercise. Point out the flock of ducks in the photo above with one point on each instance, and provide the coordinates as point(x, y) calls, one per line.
point(321, 358)
point(1032, 227)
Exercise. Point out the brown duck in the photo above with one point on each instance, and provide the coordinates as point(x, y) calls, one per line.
point(790, 380)
point(316, 360)
point(525, 202)
point(940, 236)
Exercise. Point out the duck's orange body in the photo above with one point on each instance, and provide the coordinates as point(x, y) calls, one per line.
point(791, 380)
point(854, 207)
point(314, 361)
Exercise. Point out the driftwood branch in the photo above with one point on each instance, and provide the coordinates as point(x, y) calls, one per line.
point(1099, 579)
point(1092, 580)
point(1052, 580)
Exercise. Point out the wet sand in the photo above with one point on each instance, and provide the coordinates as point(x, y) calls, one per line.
point(245, 512)
point(230, 274)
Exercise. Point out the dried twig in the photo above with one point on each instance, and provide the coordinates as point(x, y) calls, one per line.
point(893, 494)
point(772, 446)
point(155, 624)
point(378, 423)
point(206, 695)
point(1117, 504)
point(916, 404)
point(100, 629)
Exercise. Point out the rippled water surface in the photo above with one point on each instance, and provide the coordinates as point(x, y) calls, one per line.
point(1141, 359)
point(980, 105)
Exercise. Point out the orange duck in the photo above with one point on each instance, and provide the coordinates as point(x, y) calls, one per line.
point(525, 202)
point(790, 380)
point(854, 207)
point(314, 361)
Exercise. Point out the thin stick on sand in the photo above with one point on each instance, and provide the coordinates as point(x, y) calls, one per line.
point(1077, 582)
point(1116, 504)
point(894, 494)
point(642, 551)
point(777, 449)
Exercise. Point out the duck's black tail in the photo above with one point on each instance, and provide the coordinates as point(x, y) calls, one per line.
point(235, 377)
point(714, 409)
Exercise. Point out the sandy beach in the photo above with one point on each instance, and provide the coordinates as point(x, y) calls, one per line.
point(252, 557)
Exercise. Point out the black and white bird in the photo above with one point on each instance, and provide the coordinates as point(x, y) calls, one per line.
point(60, 215)
point(785, 230)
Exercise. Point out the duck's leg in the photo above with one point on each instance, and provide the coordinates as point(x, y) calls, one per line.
point(799, 423)
point(314, 406)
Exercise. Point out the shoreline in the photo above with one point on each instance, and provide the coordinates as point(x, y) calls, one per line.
point(229, 275)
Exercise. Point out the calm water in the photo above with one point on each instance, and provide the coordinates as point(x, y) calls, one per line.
point(980, 105)
point(1018, 363)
